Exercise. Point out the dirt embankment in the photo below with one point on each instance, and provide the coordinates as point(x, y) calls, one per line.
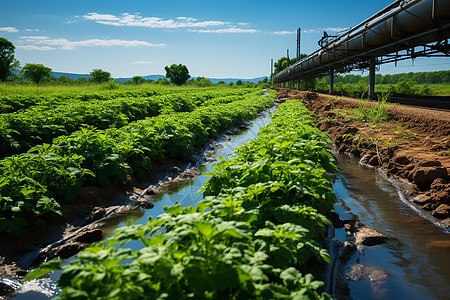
point(411, 146)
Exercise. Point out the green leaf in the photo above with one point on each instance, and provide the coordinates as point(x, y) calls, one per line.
point(225, 277)
point(39, 222)
point(15, 209)
point(4, 224)
point(174, 210)
point(44, 268)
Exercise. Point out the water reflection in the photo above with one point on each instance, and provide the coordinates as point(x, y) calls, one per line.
point(416, 255)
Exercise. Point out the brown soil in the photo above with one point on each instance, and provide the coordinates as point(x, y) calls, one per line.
point(412, 147)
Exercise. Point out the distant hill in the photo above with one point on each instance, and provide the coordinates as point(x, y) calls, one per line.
point(151, 77)
point(156, 77)
point(71, 75)
point(228, 80)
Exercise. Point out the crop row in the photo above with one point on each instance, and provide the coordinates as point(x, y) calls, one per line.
point(22, 130)
point(12, 103)
point(31, 182)
point(256, 234)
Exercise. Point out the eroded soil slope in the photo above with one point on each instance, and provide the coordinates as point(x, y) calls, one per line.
point(411, 145)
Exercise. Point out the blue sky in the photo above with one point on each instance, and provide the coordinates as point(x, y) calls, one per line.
point(213, 39)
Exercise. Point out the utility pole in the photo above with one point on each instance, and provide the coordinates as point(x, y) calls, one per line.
point(271, 67)
point(330, 91)
point(298, 44)
point(372, 78)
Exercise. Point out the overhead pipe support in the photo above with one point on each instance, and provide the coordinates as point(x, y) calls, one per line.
point(402, 25)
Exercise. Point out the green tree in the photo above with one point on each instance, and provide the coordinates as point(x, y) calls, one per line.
point(221, 82)
point(162, 81)
point(284, 62)
point(264, 83)
point(65, 80)
point(405, 86)
point(239, 82)
point(99, 76)
point(7, 60)
point(36, 72)
point(178, 74)
point(82, 80)
point(137, 80)
point(280, 64)
point(202, 82)
point(249, 84)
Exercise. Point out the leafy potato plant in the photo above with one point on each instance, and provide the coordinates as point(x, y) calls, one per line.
point(255, 235)
point(34, 183)
point(19, 98)
point(19, 131)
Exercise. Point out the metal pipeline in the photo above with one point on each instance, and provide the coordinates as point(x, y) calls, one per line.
point(402, 25)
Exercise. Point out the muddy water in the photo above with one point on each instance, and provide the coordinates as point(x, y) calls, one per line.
point(411, 265)
point(414, 263)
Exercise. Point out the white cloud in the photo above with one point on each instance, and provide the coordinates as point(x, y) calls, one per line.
point(283, 32)
point(243, 24)
point(73, 20)
point(225, 30)
point(65, 44)
point(327, 29)
point(135, 20)
point(100, 17)
point(189, 19)
point(143, 62)
point(31, 38)
point(31, 30)
point(67, 47)
point(9, 29)
point(33, 47)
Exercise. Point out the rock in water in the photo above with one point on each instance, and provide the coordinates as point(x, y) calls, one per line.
point(8, 285)
point(89, 236)
point(68, 250)
point(368, 237)
point(373, 274)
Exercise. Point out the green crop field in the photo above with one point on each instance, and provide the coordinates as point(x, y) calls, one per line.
point(254, 236)
point(54, 143)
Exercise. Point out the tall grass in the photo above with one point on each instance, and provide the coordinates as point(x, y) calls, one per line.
point(373, 114)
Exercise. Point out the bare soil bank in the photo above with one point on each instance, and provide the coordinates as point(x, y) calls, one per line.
point(411, 147)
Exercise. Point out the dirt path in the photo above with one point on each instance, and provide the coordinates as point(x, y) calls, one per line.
point(412, 146)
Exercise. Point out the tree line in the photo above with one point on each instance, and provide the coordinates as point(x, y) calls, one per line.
point(436, 77)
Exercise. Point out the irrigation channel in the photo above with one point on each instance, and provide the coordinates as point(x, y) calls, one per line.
point(407, 266)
